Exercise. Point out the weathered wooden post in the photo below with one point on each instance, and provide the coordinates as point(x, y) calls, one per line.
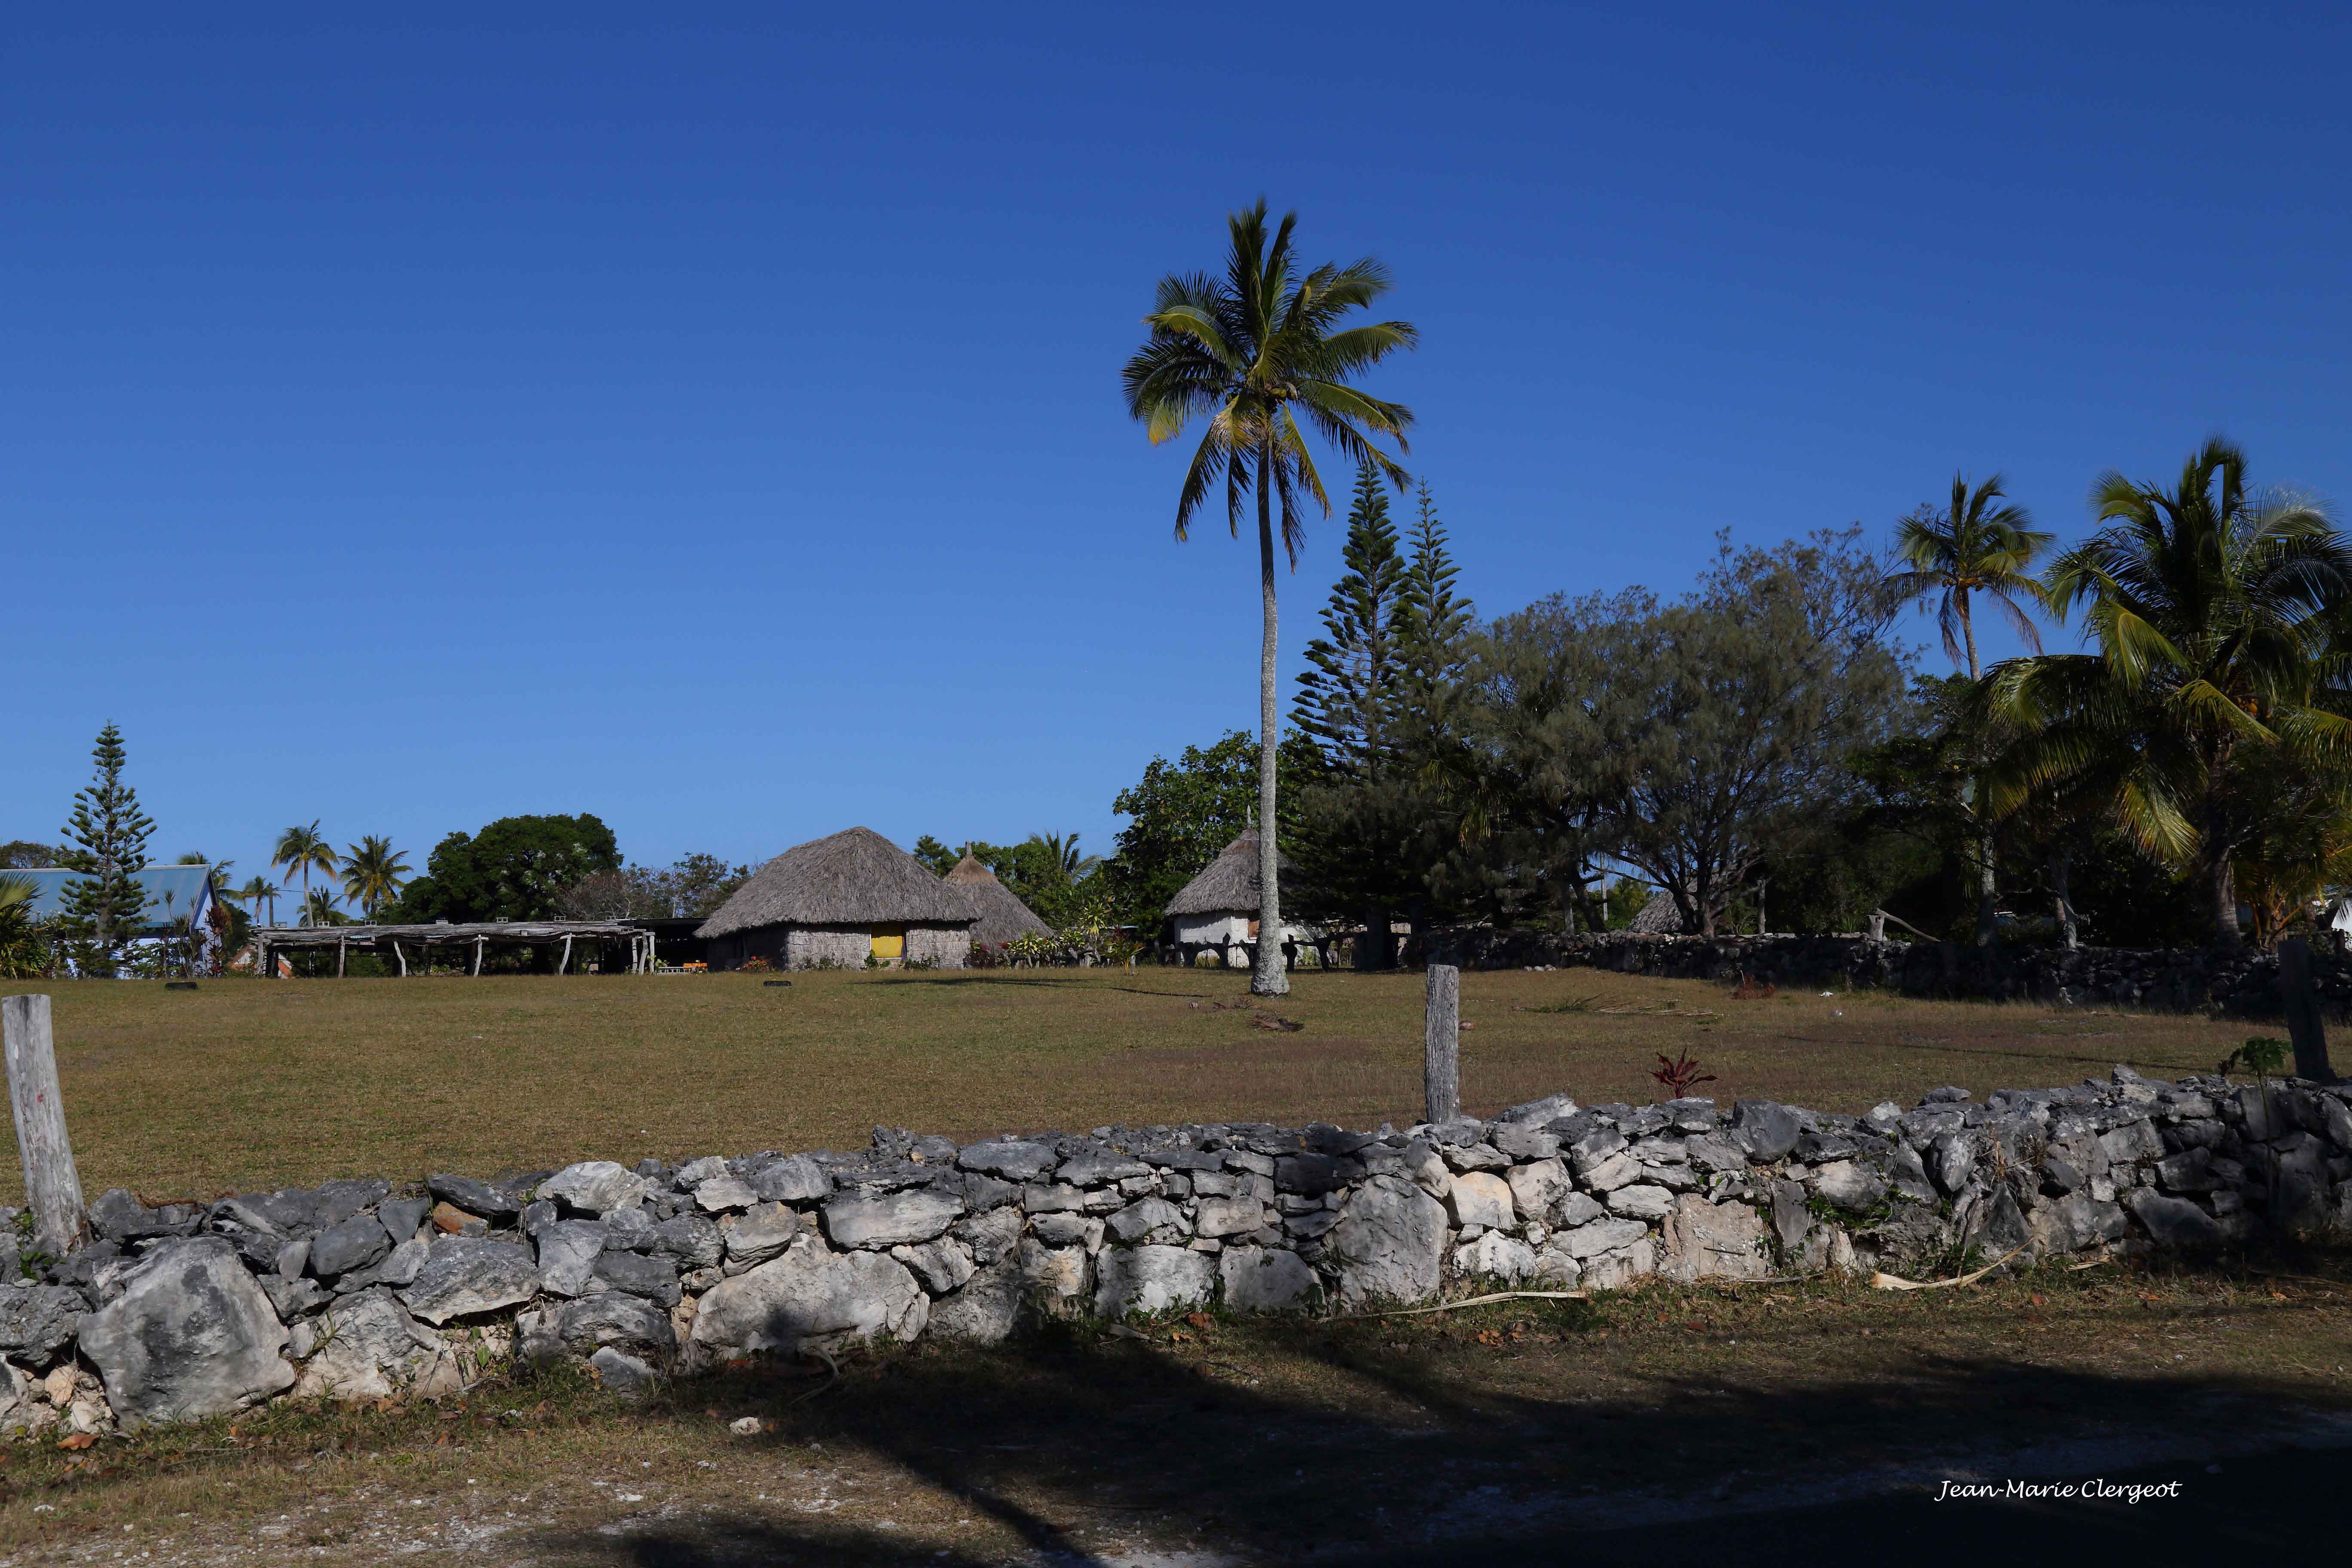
point(1441, 1044)
point(52, 1188)
point(2299, 1000)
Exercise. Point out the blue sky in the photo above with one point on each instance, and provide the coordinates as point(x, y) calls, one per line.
point(716, 426)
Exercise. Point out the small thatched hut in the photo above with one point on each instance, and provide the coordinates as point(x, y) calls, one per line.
point(1218, 908)
point(835, 903)
point(1002, 915)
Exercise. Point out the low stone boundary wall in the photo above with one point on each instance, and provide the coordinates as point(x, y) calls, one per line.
point(356, 1290)
point(2181, 980)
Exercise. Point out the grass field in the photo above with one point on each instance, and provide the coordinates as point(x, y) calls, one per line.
point(246, 1084)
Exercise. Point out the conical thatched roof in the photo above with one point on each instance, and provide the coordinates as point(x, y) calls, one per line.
point(1230, 883)
point(1658, 916)
point(1002, 915)
point(855, 878)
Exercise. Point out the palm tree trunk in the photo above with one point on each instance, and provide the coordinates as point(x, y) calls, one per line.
point(1271, 978)
point(2222, 887)
point(2061, 864)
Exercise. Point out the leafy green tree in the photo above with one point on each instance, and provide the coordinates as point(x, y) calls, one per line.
point(106, 842)
point(1246, 354)
point(516, 868)
point(373, 872)
point(1556, 704)
point(25, 854)
point(1979, 545)
point(1755, 691)
point(935, 855)
point(2216, 612)
point(22, 955)
point(1182, 814)
point(301, 849)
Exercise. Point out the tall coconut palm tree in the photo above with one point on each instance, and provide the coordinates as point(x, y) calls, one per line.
point(373, 872)
point(318, 907)
point(256, 892)
point(1981, 544)
point(1247, 353)
point(2213, 608)
point(301, 849)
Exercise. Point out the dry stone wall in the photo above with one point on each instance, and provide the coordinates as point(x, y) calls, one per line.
point(355, 1289)
point(2243, 984)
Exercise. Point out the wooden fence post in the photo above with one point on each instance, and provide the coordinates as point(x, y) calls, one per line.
point(52, 1188)
point(2299, 1000)
point(1441, 1043)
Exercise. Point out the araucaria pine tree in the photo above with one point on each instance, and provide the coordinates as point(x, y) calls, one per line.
point(105, 841)
point(1347, 697)
point(1433, 625)
point(1356, 806)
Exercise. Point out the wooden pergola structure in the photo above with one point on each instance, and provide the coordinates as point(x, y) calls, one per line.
point(271, 941)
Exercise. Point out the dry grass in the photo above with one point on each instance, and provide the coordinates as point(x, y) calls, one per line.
point(1253, 1440)
point(246, 1084)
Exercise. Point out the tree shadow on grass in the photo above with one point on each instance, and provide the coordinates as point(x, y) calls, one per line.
point(1089, 1448)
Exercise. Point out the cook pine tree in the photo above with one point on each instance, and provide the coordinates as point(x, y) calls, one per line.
point(105, 841)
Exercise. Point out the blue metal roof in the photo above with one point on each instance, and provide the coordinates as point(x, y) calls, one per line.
point(187, 885)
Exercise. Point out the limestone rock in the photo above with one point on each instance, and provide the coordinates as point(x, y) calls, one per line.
point(1536, 1187)
point(354, 1244)
point(721, 1193)
point(1012, 1158)
point(1388, 1243)
point(568, 1251)
point(36, 1322)
point(1767, 1130)
point(1587, 1241)
point(986, 1310)
point(1153, 1219)
point(1266, 1279)
point(465, 1275)
point(1494, 1256)
point(1153, 1279)
point(1641, 1202)
point(369, 1348)
point(614, 1318)
point(811, 1295)
point(1574, 1209)
point(2173, 1222)
point(1712, 1241)
point(940, 1264)
point(1616, 1269)
point(695, 1241)
point(884, 1220)
point(1058, 1276)
point(1618, 1170)
point(401, 1217)
point(1098, 1167)
point(637, 1274)
point(480, 1198)
point(794, 1180)
point(1850, 1187)
point(622, 1374)
point(991, 1235)
point(191, 1335)
point(1227, 1217)
point(594, 1187)
point(1479, 1197)
point(761, 1234)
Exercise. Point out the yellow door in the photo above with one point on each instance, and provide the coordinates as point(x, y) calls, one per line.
point(889, 943)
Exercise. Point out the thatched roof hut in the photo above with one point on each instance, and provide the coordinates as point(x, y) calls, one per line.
point(1659, 917)
point(1229, 884)
point(833, 902)
point(1002, 915)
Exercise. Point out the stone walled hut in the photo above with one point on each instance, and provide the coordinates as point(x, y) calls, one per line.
point(835, 903)
point(1218, 909)
point(1002, 914)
